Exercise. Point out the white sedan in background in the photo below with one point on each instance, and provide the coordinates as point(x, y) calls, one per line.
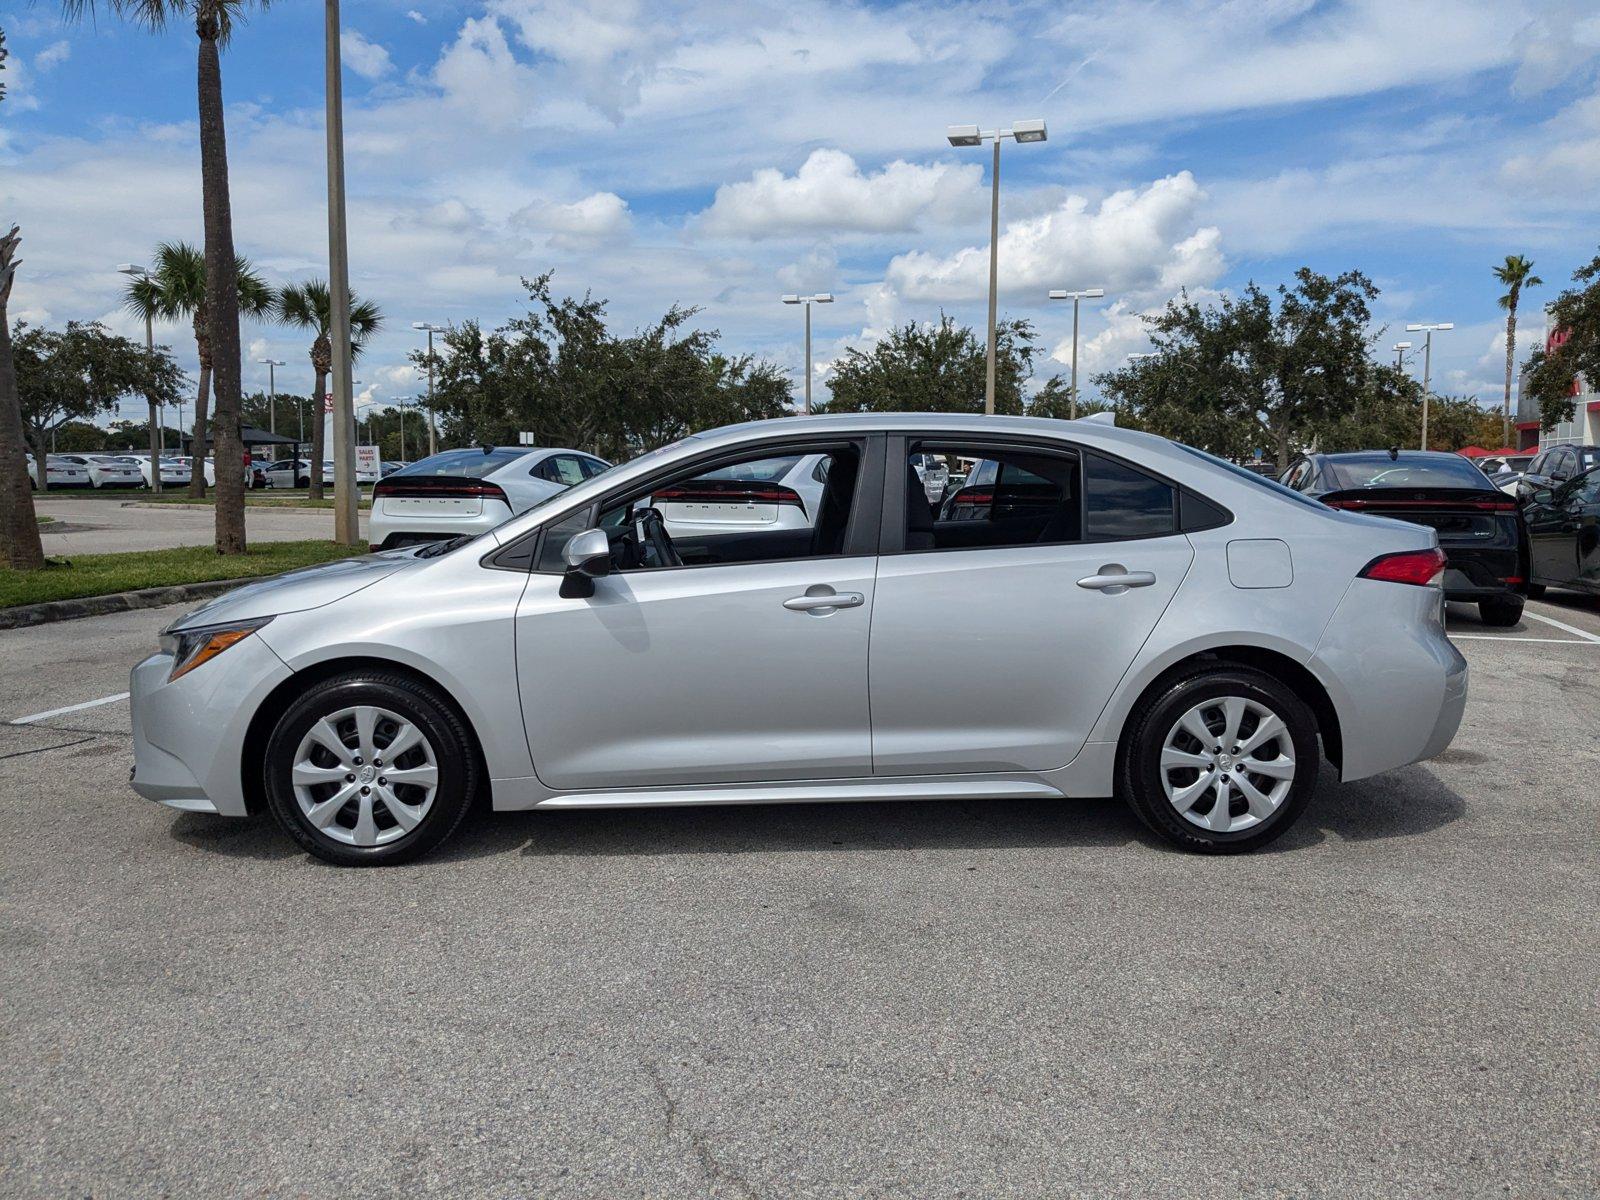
point(57, 473)
point(458, 492)
point(778, 493)
point(105, 470)
point(174, 471)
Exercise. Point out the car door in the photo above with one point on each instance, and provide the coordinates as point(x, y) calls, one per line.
point(715, 672)
point(1584, 520)
point(999, 652)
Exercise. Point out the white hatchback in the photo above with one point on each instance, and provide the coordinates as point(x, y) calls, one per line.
point(458, 492)
point(105, 470)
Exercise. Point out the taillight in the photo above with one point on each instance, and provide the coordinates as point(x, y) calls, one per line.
point(761, 493)
point(973, 497)
point(451, 490)
point(1359, 504)
point(1420, 567)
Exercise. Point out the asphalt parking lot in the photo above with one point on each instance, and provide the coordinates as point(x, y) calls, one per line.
point(918, 1000)
point(95, 524)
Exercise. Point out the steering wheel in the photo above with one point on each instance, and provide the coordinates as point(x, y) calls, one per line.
point(655, 544)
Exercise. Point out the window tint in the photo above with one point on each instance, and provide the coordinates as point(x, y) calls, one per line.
point(1381, 471)
point(464, 464)
point(758, 469)
point(592, 467)
point(1010, 497)
point(1238, 472)
point(1587, 487)
point(564, 469)
point(1123, 503)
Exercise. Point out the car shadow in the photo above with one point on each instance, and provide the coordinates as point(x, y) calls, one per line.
point(1403, 803)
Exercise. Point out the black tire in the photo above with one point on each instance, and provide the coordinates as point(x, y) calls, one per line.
point(1501, 610)
point(1139, 774)
point(1535, 590)
point(453, 748)
point(303, 482)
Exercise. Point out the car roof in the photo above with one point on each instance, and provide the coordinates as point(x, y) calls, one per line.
point(1401, 456)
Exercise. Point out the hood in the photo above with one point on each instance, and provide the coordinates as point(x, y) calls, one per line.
point(296, 591)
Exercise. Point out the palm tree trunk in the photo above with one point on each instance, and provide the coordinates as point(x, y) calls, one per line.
point(222, 287)
point(1511, 354)
point(19, 528)
point(197, 448)
point(317, 447)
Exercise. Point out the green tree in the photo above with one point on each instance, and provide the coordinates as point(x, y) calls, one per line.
point(1254, 371)
point(556, 371)
point(214, 22)
point(1556, 373)
point(1054, 400)
point(933, 368)
point(289, 410)
point(310, 306)
point(176, 290)
point(1514, 274)
point(79, 373)
point(19, 526)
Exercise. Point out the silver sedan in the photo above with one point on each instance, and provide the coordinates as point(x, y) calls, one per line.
point(1124, 614)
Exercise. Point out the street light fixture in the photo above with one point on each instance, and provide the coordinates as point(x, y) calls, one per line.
point(1427, 366)
point(1400, 349)
point(430, 329)
point(1075, 297)
point(808, 301)
point(971, 135)
point(158, 433)
point(272, 365)
point(1145, 354)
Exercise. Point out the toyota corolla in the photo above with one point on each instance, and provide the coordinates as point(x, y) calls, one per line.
point(1125, 614)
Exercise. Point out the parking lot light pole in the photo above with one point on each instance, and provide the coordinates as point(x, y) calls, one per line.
point(1075, 297)
point(430, 329)
point(346, 518)
point(158, 433)
point(1427, 366)
point(272, 365)
point(971, 135)
point(1400, 349)
point(808, 301)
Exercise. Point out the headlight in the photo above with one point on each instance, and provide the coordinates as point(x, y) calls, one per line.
point(191, 647)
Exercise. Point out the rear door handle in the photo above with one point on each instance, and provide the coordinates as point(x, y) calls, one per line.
point(815, 600)
point(1114, 578)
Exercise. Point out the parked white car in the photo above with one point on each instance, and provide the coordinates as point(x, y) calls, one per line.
point(174, 472)
point(458, 492)
point(58, 473)
point(782, 492)
point(106, 470)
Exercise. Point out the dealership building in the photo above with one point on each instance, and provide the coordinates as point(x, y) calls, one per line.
point(1583, 429)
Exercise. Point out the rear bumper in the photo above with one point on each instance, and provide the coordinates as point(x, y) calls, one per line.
point(1473, 573)
point(1398, 683)
point(382, 526)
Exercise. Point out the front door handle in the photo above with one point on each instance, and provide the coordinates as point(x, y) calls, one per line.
point(1114, 579)
point(821, 598)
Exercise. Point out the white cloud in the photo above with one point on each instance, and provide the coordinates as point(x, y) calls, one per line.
point(603, 215)
point(478, 72)
point(413, 15)
point(830, 193)
point(367, 59)
point(1141, 241)
point(815, 270)
point(52, 55)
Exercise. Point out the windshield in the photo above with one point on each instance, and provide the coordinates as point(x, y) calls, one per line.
point(1272, 485)
point(464, 464)
point(1381, 471)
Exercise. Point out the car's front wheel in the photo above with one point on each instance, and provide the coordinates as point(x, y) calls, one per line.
point(370, 767)
point(1223, 760)
point(1502, 610)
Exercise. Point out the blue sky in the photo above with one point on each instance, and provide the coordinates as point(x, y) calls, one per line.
point(721, 154)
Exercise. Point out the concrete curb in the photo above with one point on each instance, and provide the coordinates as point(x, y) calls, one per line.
point(95, 606)
point(169, 505)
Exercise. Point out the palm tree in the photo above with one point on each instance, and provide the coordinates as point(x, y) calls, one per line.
point(19, 528)
point(1516, 273)
point(214, 21)
point(176, 289)
point(308, 306)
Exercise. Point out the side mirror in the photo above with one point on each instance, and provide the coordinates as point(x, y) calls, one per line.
point(588, 557)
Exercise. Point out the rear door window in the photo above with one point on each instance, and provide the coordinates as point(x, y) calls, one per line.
point(1121, 502)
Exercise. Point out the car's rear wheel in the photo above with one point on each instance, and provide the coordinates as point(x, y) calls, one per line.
point(370, 767)
point(1501, 610)
point(1223, 760)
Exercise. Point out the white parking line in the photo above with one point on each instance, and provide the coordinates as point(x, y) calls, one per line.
point(56, 712)
point(1583, 633)
point(1500, 637)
